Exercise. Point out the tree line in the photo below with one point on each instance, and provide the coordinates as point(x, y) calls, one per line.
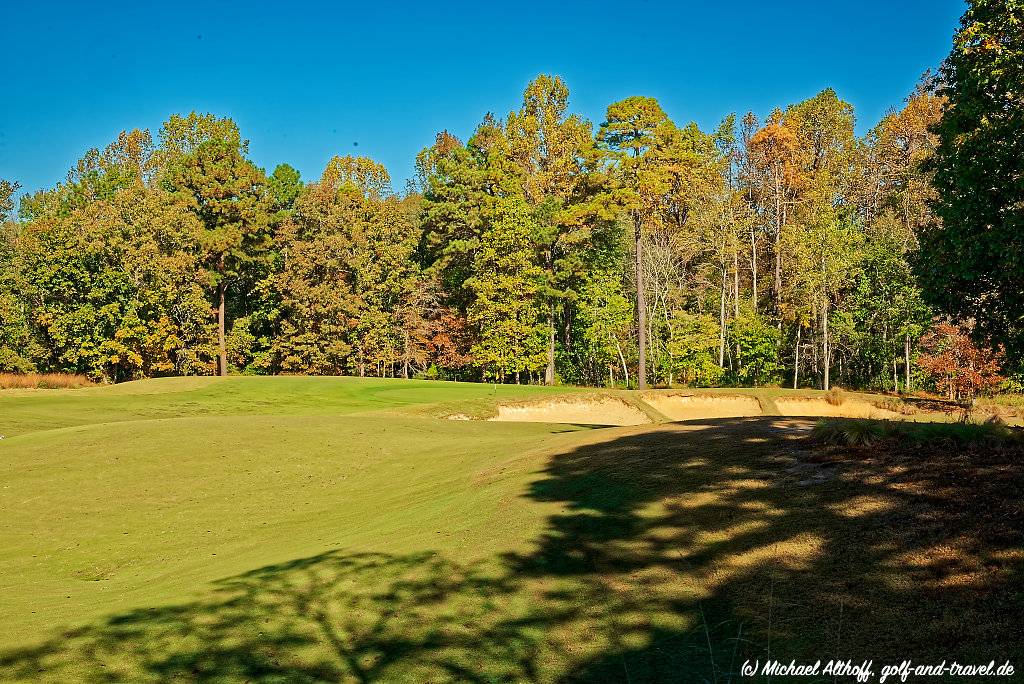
point(639, 251)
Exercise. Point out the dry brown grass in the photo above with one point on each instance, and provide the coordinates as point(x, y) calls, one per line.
point(896, 406)
point(835, 396)
point(43, 381)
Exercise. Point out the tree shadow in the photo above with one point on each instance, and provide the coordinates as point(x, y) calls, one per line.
point(680, 552)
point(756, 545)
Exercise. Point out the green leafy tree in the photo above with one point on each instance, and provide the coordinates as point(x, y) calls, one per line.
point(757, 350)
point(7, 191)
point(16, 340)
point(887, 307)
point(693, 346)
point(108, 264)
point(348, 271)
point(550, 146)
point(204, 162)
point(603, 315)
point(972, 264)
point(461, 187)
point(284, 185)
point(507, 308)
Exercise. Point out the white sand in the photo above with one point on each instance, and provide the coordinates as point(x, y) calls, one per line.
point(849, 408)
point(597, 411)
point(682, 407)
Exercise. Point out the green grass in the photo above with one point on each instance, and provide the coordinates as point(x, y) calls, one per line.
point(27, 410)
point(326, 529)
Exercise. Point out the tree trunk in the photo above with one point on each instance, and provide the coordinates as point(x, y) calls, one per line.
point(736, 284)
point(405, 359)
point(549, 372)
point(796, 363)
point(641, 308)
point(906, 363)
point(753, 267)
point(885, 339)
point(778, 277)
point(721, 323)
point(223, 361)
point(826, 356)
point(622, 359)
point(779, 221)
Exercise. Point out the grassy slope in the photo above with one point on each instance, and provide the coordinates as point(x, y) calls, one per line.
point(28, 410)
point(301, 529)
point(162, 485)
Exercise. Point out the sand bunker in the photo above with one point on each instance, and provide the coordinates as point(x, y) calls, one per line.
point(605, 410)
point(598, 411)
point(683, 407)
point(819, 407)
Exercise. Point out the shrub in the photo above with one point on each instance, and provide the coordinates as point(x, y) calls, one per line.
point(850, 433)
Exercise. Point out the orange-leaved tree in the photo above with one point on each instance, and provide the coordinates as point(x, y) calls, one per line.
point(957, 366)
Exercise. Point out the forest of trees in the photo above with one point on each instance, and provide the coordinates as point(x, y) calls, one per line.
point(638, 251)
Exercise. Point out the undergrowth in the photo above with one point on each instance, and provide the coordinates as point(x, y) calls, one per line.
point(869, 432)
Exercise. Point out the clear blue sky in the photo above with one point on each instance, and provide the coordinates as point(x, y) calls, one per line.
point(306, 81)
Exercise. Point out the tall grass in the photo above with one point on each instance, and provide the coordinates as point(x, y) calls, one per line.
point(865, 433)
point(42, 381)
point(1003, 405)
point(835, 396)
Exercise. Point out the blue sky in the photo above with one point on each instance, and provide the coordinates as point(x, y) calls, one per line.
point(306, 81)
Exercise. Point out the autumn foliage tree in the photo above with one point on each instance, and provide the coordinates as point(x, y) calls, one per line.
point(540, 249)
point(958, 367)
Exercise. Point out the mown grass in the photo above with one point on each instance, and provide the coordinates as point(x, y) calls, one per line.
point(208, 396)
point(336, 530)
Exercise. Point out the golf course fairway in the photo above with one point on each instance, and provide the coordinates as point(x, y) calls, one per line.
point(294, 529)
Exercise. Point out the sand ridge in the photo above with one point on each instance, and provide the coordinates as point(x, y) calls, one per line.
point(848, 408)
point(678, 407)
point(581, 410)
point(644, 408)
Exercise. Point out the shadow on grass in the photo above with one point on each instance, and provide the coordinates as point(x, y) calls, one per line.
point(681, 551)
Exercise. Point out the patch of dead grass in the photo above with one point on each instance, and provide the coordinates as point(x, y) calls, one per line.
point(43, 381)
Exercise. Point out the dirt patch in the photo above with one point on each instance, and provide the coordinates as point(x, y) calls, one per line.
point(849, 408)
point(684, 407)
point(600, 411)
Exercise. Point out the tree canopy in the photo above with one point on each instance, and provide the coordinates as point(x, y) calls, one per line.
point(638, 251)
